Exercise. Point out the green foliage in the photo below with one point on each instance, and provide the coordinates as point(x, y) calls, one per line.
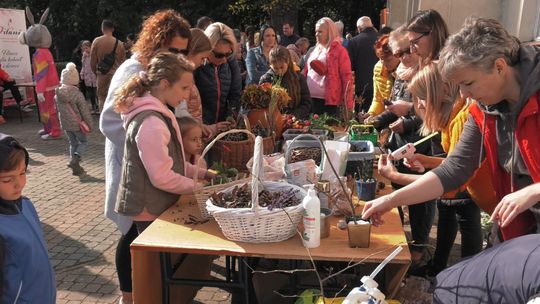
point(75, 20)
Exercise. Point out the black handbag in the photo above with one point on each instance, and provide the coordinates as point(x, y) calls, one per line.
point(106, 64)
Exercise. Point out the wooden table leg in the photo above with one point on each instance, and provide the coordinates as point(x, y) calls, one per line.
point(145, 273)
point(394, 274)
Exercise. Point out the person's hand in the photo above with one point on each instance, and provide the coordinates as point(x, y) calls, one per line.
point(207, 131)
point(397, 126)
point(376, 208)
point(363, 116)
point(41, 97)
point(386, 167)
point(223, 126)
point(209, 175)
point(415, 162)
point(513, 204)
point(400, 107)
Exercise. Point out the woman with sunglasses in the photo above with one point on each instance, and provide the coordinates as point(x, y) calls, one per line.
point(257, 61)
point(219, 79)
point(400, 117)
point(328, 71)
point(427, 32)
point(163, 31)
point(489, 65)
point(200, 48)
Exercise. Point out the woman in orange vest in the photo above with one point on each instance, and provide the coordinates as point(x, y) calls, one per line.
point(503, 76)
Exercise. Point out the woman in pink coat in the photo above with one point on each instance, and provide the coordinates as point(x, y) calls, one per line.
point(328, 70)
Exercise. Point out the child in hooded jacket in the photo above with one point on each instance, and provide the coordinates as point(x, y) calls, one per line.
point(26, 274)
point(155, 171)
point(72, 109)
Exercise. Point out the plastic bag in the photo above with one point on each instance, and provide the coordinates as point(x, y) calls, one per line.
point(273, 165)
point(337, 199)
point(303, 172)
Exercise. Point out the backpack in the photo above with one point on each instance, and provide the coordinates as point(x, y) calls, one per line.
point(106, 64)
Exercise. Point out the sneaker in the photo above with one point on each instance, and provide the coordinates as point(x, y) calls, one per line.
point(49, 137)
point(42, 132)
point(25, 103)
point(2, 119)
point(27, 109)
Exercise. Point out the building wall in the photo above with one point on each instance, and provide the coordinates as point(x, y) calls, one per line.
point(520, 17)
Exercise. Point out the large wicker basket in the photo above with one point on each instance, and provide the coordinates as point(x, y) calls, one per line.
point(258, 224)
point(202, 194)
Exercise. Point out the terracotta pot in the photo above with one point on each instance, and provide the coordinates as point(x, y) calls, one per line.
point(261, 116)
point(258, 117)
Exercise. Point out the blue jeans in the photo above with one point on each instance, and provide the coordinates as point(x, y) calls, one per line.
point(77, 143)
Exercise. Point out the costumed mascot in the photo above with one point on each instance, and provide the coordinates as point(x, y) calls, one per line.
point(45, 75)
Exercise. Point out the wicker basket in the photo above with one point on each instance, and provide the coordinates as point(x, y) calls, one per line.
point(202, 194)
point(258, 224)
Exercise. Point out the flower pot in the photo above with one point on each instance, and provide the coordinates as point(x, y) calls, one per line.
point(359, 233)
point(261, 117)
point(325, 222)
point(366, 189)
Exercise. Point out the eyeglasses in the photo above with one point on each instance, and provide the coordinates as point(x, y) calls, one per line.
point(177, 51)
point(402, 53)
point(221, 55)
point(415, 40)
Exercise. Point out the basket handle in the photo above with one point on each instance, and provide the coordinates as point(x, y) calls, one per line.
point(289, 151)
point(209, 146)
point(256, 172)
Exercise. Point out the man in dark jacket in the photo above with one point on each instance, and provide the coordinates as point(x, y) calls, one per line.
point(220, 84)
point(505, 273)
point(363, 59)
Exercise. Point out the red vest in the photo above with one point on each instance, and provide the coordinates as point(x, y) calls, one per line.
point(528, 140)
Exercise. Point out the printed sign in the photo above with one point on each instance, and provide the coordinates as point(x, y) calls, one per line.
point(14, 56)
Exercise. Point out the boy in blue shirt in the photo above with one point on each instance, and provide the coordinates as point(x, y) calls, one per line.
point(26, 275)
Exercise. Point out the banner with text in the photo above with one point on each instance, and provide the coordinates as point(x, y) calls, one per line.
point(14, 56)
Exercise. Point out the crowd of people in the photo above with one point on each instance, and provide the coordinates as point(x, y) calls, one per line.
point(171, 88)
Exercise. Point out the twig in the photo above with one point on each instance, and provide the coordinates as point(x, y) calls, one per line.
point(360, 262)
point(340, 181)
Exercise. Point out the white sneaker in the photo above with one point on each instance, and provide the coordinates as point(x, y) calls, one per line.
point(49, 137)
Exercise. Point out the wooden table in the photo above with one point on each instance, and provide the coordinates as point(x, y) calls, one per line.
point(170, 234)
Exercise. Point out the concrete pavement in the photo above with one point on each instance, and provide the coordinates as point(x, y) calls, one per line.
point(81, 240)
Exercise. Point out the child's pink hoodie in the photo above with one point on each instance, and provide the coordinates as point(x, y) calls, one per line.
point(152, 141)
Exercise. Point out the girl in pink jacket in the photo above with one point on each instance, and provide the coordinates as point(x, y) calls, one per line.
point(155, 171)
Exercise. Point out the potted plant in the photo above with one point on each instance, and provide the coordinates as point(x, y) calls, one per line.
point(366, 184)
point(265, 102)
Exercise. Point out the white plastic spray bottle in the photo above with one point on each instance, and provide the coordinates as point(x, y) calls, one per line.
point(312, 218)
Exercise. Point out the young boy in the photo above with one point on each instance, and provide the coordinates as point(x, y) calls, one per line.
point(26, 275)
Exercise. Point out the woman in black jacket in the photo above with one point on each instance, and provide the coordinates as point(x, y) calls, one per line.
point(219, 80)
point(283, 72)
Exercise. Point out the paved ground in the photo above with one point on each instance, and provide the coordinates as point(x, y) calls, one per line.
point(81, 240)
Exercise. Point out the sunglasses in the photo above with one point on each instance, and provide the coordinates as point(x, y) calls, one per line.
point(415, 40)
point(402, 53)
point(221, 55)
point(177, 51)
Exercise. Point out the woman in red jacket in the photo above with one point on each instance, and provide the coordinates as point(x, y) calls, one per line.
point(328, 70)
